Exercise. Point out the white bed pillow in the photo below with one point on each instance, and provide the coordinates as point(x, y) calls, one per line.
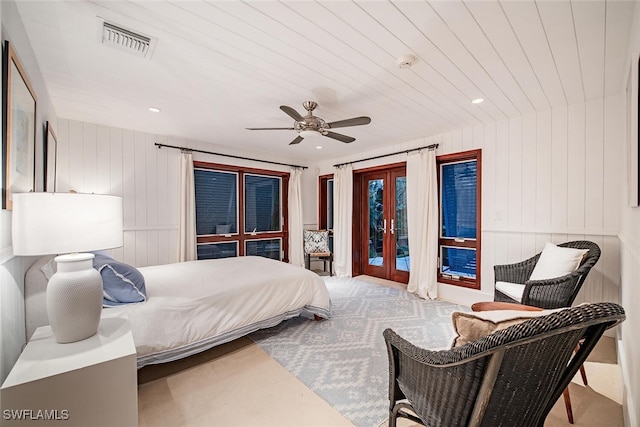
point(556, 261)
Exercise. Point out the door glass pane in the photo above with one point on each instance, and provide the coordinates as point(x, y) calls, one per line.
point(261, 203)
point(457, 261)
point(400, 225)
point(458, 204)
point(268, 248)
point(376, 221)
point(216, 194)
point(217, 250)
point(329, 204)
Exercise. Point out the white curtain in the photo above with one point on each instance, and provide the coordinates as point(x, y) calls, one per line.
point(296, 249)
point(342, 220)
point(187, 228)
point(422, 223)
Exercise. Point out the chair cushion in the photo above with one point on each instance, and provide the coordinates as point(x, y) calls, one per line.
point(316, 241)
point(556, 261)
point(512, 290)
point(470, 327)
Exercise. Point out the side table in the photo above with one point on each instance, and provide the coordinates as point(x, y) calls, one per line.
point(92, 382)
point(498, 305)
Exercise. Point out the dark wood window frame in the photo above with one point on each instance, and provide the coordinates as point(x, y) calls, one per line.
point(477, 243)
point(243, 236)
point(322, 201)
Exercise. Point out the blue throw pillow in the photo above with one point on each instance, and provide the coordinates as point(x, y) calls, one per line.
point(121, 283)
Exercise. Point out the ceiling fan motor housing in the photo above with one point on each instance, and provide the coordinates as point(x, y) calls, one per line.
point(310, 122)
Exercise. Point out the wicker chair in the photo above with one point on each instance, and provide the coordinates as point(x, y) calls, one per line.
point(550, 293)
point(512, 377)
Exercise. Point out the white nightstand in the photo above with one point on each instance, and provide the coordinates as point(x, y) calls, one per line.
point(92, 382)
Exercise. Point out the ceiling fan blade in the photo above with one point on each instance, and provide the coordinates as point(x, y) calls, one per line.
point(292, 113)
point(269, 128)
point(296, 141)
point(340, 137)
point(356, 121)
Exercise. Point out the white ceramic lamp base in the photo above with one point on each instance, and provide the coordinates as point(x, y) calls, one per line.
point(74, 298)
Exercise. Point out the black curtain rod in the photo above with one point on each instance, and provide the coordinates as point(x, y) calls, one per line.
point(427, 147)
point(228, 155)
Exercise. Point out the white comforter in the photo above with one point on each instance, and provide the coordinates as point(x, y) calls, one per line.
point(195, 305)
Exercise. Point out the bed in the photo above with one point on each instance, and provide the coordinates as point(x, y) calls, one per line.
point(193, 306)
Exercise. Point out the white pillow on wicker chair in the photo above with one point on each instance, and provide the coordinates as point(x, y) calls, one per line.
point(557, 261)
point(316, 241)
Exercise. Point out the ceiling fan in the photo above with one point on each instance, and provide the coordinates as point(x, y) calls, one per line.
point(310, 125)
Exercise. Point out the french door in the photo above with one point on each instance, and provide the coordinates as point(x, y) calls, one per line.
point(384, 237)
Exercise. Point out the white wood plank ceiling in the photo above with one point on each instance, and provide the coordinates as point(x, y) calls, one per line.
point(222, 66)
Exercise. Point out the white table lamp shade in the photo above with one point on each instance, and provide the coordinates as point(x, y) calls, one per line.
point(59, 223)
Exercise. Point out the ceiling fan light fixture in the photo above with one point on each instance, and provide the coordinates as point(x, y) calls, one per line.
point(310, 133)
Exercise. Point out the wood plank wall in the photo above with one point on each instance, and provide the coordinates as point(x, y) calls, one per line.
point(548, 176)
point(104, 160)
point(551, 176)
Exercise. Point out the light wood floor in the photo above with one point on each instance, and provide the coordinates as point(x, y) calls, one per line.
point(238, 384)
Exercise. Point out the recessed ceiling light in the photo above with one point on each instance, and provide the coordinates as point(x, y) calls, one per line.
point(154, 109)
point(318, 147)
point(477, 101)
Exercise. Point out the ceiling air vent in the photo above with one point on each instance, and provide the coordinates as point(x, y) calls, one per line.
point(121, 38)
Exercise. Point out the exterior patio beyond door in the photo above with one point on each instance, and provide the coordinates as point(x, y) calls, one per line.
point(384, 222)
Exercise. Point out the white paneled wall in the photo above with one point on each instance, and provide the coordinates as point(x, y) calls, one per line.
point(629, 345)
point(106, 160)
point(126, 163)
point(548, 176)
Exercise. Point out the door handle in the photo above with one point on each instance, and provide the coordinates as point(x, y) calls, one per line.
point(384, 226)
point(392, 229)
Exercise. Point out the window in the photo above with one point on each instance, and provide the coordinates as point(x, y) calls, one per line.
point(262, 203)
point(459, 241)
point(216, 202)
point(325, 221)
point(239, 211)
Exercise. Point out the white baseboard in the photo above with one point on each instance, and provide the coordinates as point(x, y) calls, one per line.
point(462, 296)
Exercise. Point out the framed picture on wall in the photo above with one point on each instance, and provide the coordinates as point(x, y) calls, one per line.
point(50, 158)
point(636, 136)
point(633, 136)
point(19, 129)
point(633, 139)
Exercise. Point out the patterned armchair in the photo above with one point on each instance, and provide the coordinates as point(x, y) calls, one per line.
point(316, 245)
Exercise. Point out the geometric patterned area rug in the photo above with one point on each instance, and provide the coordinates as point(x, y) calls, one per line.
point(344, 359)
